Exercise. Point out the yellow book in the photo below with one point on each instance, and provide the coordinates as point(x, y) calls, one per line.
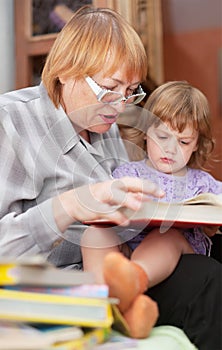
point(119, 323)
point(37, 272)
point(22, 336)
point(91, 338)
point(55, 309)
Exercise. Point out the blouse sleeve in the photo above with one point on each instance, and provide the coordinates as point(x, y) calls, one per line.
point(127, 169)
point(213, 185)
point(24, 229)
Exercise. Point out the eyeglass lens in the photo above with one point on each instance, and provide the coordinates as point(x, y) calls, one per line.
point(115, 97)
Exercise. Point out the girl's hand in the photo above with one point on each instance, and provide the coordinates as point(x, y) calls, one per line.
point(210, 231)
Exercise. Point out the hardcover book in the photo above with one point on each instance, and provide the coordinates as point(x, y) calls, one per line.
point(83, 290)
point(36, 272)
point(19, 336)
point(55, 309)
point(204, 209)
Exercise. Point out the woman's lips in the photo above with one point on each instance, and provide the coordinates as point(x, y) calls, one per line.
point(109, 119)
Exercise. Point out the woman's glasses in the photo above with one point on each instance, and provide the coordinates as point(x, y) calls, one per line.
point(108, 96)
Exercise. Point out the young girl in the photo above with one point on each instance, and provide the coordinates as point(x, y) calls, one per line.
point(179, 142)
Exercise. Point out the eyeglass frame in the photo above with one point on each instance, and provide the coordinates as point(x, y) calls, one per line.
point(101, 92)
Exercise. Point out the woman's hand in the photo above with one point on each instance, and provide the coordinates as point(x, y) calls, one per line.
point(102, 201)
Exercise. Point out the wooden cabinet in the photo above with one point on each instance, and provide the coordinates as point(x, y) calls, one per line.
point(27, 46)
point(144, 15)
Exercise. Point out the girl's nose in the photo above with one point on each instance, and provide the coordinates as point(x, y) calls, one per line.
point(171, 146)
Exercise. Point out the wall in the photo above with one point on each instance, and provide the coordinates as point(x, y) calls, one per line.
point(192, 34)
point(7, 67)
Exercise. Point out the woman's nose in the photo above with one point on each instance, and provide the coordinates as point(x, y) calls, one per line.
point(120, 106)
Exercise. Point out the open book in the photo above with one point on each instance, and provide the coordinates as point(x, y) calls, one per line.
point(206, 198)
point(204, 209)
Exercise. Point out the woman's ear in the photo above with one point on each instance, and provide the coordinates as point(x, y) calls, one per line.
point(63, 80)
point(69, 82)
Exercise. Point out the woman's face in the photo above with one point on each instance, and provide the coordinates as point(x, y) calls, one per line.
point(82, 106)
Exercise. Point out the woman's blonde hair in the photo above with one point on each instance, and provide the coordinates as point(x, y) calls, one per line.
point(92, 40)
point(179, 104)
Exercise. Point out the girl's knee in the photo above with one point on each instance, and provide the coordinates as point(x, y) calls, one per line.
point(96, 237)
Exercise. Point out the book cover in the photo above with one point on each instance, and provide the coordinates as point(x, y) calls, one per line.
point(21, 336)
point(90, 339)
point(35, 272)
point(204, 209)
point(119, 323)
point(55, 309)
point(83, 290)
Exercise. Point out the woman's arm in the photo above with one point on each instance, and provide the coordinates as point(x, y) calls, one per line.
point(29, 226)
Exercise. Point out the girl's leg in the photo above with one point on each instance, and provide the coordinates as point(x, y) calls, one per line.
point(127, 281)
point(119, 274)
point(159, 253)
point(100, 253)
point(151, 262)
point(96, 243)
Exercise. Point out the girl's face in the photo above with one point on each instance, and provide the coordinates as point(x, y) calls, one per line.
point(82, 106)
point(168, 150)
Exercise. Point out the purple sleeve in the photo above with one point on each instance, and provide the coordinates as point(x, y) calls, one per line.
point(213, 185)
point(201, 182)
point(126, 169)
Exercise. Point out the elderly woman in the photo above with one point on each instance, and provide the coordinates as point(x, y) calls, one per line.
point(63, 134)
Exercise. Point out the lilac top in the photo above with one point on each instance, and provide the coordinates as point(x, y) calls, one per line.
point(177, 188)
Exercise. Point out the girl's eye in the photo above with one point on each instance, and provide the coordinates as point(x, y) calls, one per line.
point(184, 142)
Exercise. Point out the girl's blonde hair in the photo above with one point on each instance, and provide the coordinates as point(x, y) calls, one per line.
point(179, 104)
point(92, 40)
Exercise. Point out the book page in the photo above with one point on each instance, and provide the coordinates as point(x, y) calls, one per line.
point(206, 198)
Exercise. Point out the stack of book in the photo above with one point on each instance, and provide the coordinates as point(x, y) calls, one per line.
point(42, 307)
